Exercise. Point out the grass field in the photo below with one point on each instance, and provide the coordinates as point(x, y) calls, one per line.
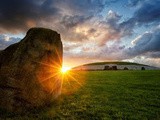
point(107, 95)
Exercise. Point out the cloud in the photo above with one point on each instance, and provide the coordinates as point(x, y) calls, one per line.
point(145, 48)
point(76, 20)
point(154, 55)
point(84, 31)
point(105, 42)
point(147, 13)
point(19, 15)
point(146, 44)
point(72, 21)
point(95, 29)
point(135, 3)
point(110, 51)
point(113, 29)
point(112, 17)
point(6, 41)
point(145, 60)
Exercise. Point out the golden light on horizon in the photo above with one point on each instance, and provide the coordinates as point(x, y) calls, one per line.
point(59, 80)
point(56, 78)
point(65, 69)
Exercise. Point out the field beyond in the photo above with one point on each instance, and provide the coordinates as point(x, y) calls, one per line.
point(108, 95)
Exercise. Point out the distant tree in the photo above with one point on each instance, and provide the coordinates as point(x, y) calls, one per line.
point(142, 68)
point(106, 67)
point(125, 68)
point(114, 67)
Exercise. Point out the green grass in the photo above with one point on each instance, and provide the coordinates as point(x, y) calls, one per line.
point(108, 95)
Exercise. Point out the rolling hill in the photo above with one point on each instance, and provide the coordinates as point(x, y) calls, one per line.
point(117, 65)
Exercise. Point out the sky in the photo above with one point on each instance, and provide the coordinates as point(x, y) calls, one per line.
point(91, 30)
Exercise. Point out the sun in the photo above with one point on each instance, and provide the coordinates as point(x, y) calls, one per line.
point(65, 69)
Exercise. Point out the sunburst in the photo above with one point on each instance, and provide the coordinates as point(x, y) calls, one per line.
point(59, 80)
point(65, 69)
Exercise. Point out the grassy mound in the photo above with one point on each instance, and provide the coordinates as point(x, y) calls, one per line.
point(117, 63)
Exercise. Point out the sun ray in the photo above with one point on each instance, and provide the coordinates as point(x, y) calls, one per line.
point(65, 69)
point(58, 79)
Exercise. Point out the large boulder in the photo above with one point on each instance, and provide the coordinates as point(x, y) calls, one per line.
point(30, 71)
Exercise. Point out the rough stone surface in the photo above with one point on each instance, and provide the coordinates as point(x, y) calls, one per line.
point(29, 71)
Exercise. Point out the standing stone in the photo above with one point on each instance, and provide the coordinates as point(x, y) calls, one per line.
point(30, 71)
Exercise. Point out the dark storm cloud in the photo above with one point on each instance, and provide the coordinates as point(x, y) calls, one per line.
point(134, 3)
point(147, 13)
point(19, 15)
point(86, 6)
point(115, 30)
point(154, 55)
point(85, 28)
point(71, 21)
point(146, 44)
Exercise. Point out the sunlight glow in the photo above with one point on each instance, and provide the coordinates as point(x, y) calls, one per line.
point(65, 69)
point(58, 80)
